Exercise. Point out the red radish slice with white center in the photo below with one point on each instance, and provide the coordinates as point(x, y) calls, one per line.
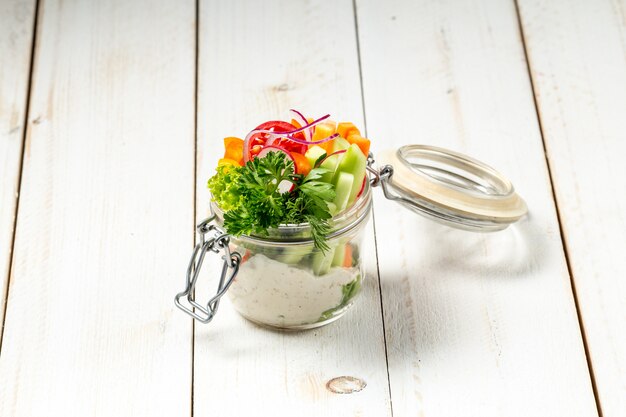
point(268, 149)
point(285, 186)
point(362, 187)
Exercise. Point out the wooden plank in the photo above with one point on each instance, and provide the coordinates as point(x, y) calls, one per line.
point(477, 324)
point(16, 35)
point(257, 61)
point(578, 63)
point(106, 206)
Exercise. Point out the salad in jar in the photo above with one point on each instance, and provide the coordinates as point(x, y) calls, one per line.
point(294, 197)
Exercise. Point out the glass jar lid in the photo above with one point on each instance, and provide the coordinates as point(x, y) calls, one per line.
point(450, 187)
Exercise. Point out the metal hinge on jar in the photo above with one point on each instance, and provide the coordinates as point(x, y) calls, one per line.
point(211, 238)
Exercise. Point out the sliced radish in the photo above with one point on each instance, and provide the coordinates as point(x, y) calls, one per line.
point(362, 187)
point(268, 149)
point(285, 186)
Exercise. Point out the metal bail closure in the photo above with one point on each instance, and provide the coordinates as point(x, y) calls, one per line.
point(211, 239)
point(448, 187)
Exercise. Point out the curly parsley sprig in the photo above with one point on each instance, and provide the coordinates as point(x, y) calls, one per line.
point(256, 204)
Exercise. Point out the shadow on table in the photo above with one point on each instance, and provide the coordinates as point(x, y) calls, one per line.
point(516, 252)
point(436, 283)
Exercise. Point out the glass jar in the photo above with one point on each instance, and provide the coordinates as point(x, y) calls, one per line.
point(283, 281)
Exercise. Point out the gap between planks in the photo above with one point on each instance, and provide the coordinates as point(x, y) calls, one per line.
point(558, 211)
point(380, 288)
point(31, 66)
point(195, 189)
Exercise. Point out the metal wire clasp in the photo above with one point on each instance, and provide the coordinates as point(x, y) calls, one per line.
point(211, 238)
point(381, 177)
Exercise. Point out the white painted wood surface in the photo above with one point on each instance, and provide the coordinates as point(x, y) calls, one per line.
point(578, 62)
point(105, 216)
point(477, 325)
point(16, 33)
point(257, 60)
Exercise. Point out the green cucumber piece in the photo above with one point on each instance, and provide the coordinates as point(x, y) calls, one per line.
point(355, 163)
point(340, 255)
point(343, 190)
point(286, 255)
point(332, 207)
point(313, 154)
point(290, 257)
point(348, 292)
point(323, 261)
point(340, 144)
point(330, 164)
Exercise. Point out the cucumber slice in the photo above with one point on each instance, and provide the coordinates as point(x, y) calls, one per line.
point(353, 162)
point(332, 207)
point(340, 255)
point(349, 291)
point(322, 262)
point(339, 144)
point(331, 164)
point(290, 257)
point(343, 190)
point(313, 154)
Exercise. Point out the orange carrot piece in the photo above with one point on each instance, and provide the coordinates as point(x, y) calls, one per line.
point(346, 129)
point(231, 139)
point(361, 142)
point(295, 123)
point(303, 166)
point(234, 151)
point(347, 258)
point(298, 125)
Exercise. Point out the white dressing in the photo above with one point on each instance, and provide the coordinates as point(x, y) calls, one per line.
point(281, 295)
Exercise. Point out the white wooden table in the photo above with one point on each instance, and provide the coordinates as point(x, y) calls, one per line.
point(111, 119)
